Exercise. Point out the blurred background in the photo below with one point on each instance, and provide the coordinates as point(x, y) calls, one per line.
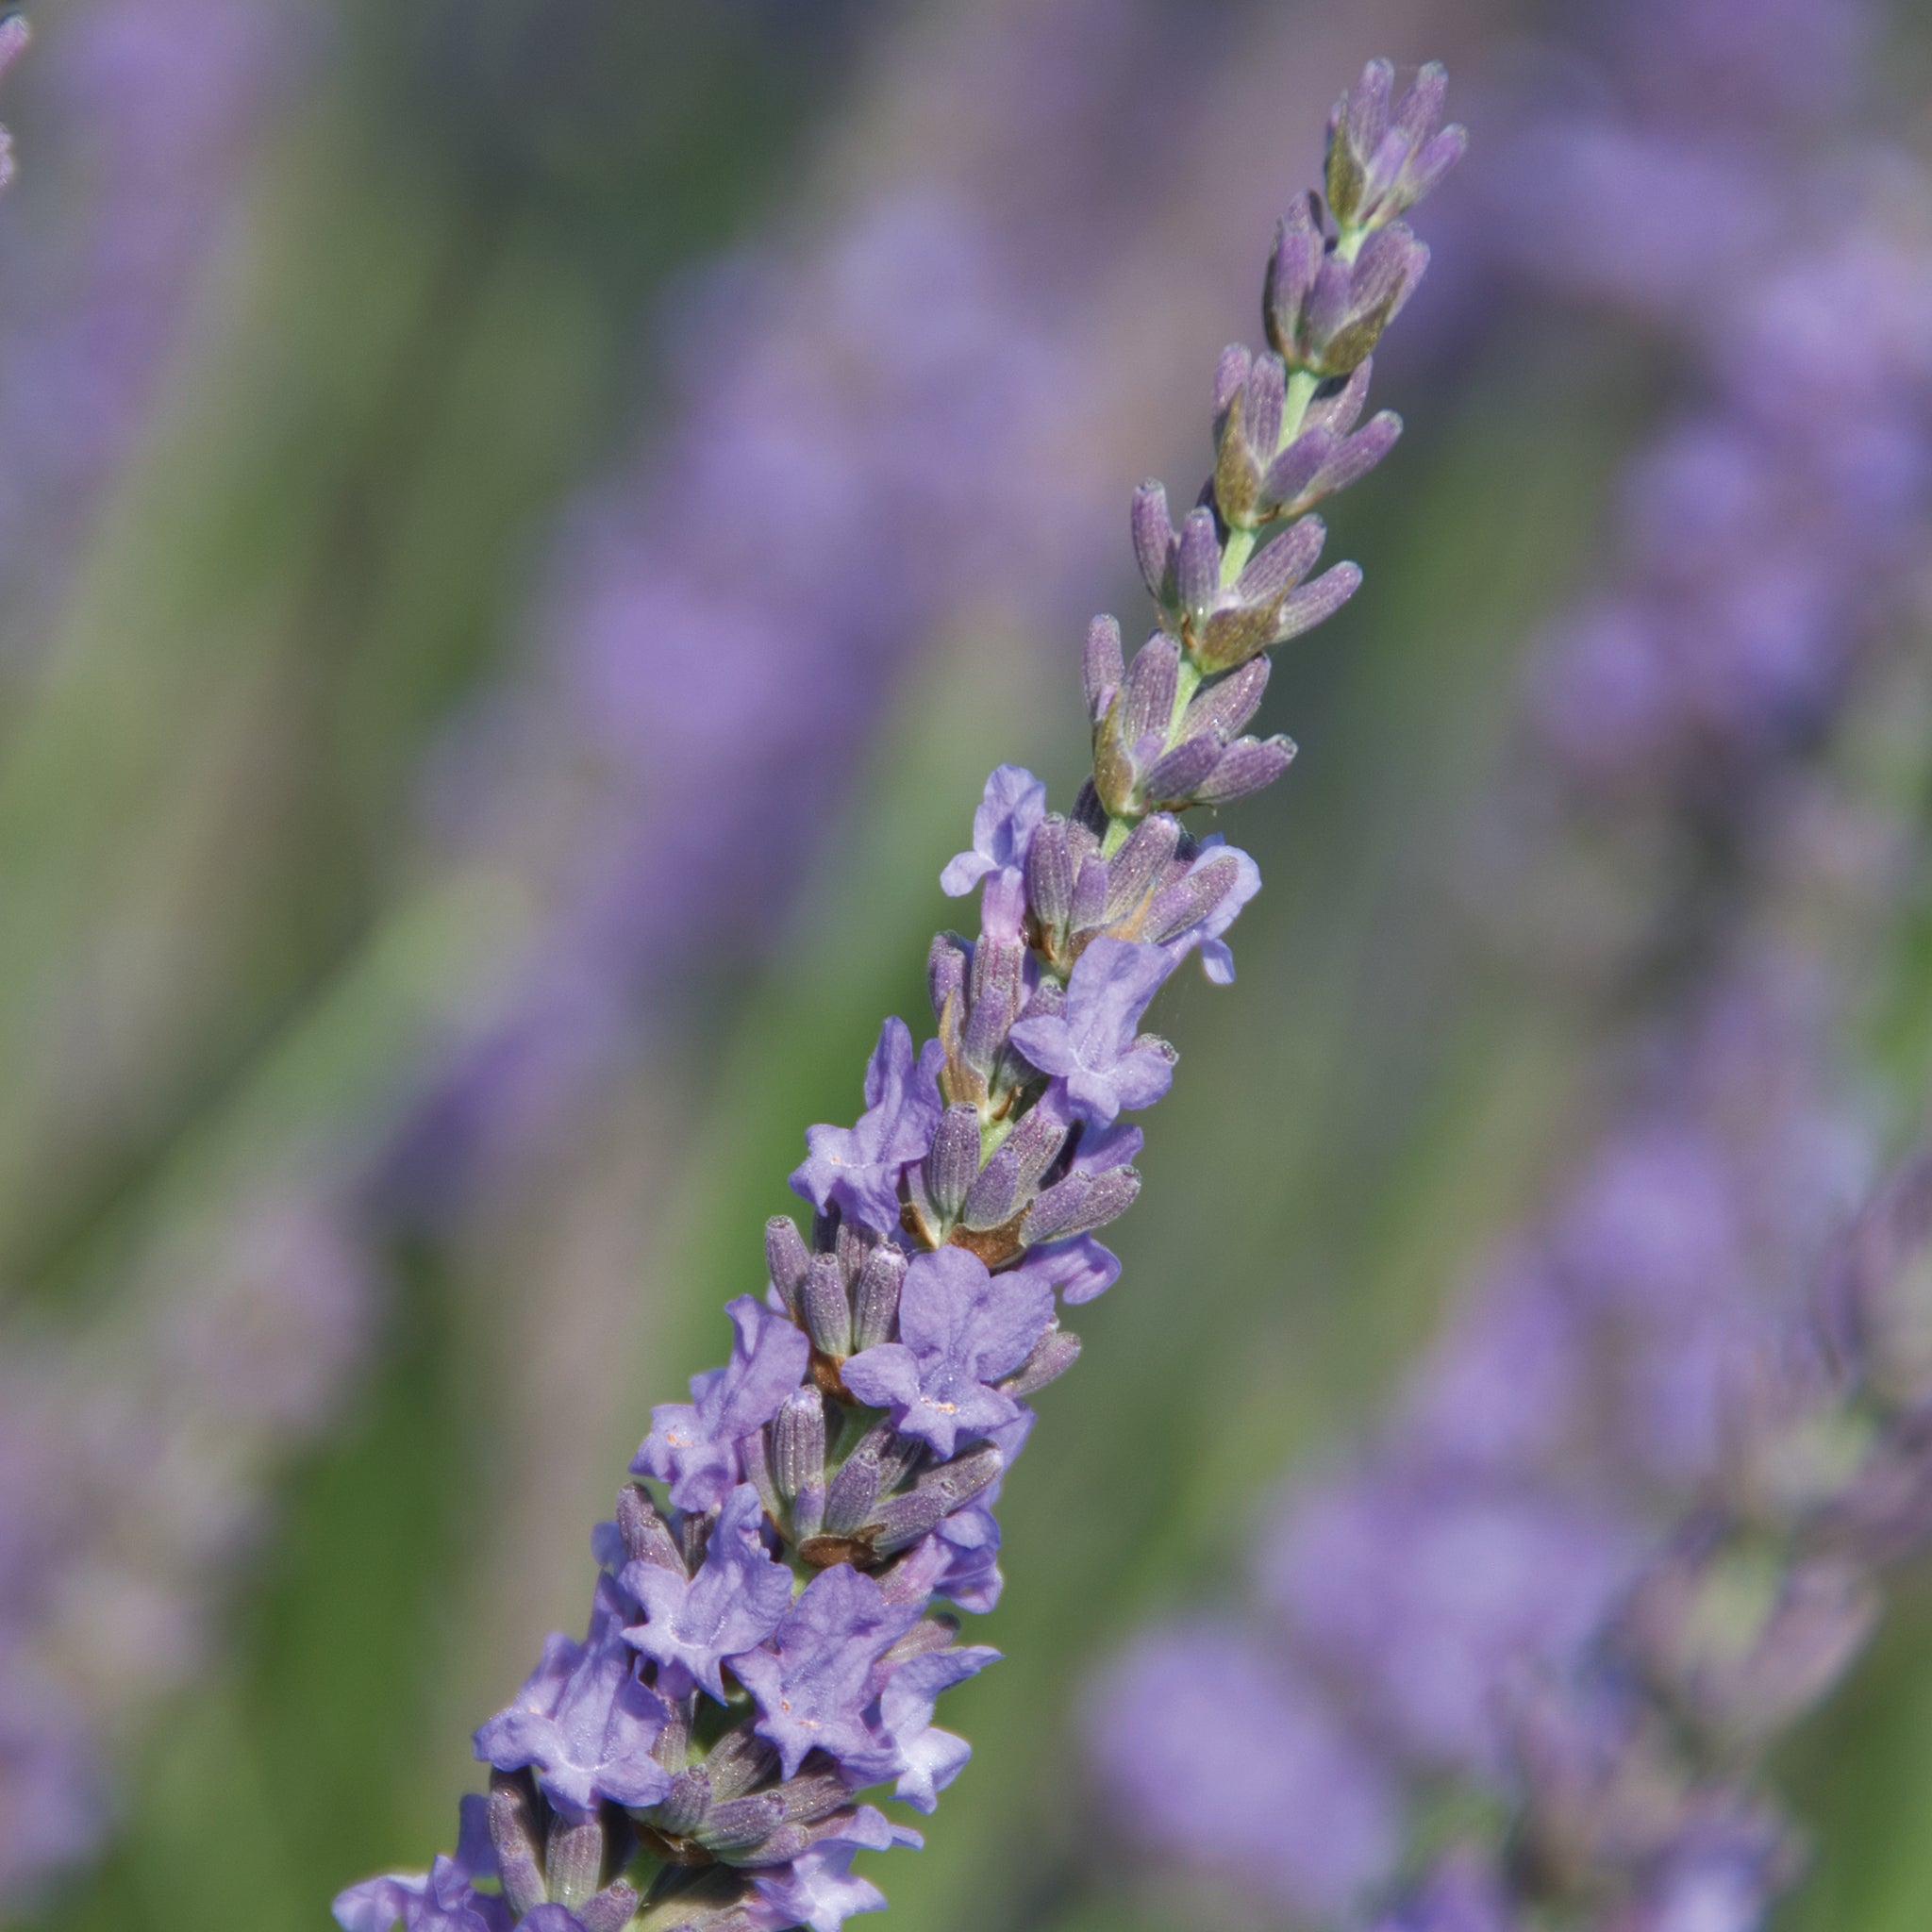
point(522, 530)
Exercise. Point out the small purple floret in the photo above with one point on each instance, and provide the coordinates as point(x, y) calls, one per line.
point(858, 1169)
point(1003, 827)
point(584, 1722)
point(961, 1331)
point(813, 1687)
point(694, 1445)
point(1217, 960)
point(926, 1759)
point(1092, 1048)
point(818, 1889)
point(443, 1900)
point(732, 1604)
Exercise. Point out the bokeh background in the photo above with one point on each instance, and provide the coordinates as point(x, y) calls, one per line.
point(522, 529)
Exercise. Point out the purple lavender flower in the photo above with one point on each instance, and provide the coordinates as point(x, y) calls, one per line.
point(694, 1445)
point(818, 1888)
point(1093, 1048)
point(445, 1901)
point(1003, 828)
point(813, 1686)
point(926, 1759)
point(856, 1169)
point(584, 1720)
point(962, 1330)
point(944, 1220)
point(693, 1624)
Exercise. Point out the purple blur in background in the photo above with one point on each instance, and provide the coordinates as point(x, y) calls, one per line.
point(1766, 555)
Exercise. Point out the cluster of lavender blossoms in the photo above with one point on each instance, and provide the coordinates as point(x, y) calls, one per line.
point(1637, 1767)
point(1699, 708)
point(762, 1646)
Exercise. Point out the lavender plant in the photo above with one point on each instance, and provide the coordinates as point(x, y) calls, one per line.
point(1639, 1801)
point(762, 1645)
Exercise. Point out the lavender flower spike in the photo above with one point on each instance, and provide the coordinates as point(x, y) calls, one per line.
point(764, 1647)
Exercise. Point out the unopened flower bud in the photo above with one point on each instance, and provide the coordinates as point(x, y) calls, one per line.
point(876, 1297)
point(828, 1313)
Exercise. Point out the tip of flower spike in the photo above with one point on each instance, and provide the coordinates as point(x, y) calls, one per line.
point(14, 35)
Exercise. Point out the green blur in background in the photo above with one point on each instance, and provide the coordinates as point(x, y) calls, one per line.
point(226, 940)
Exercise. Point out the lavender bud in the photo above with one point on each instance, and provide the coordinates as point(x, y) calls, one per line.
point(694, 1538)
point(904, 1520)
point(1225, 705)
point(741, 1824)
point(1035, 1143)
point(1328, 308)
point(1262, 404)
point(1297, 466)
point(1355, 133)
point(990, 1201)
point(828, 1313)
point(1299, 250)
point(1189, 899)
point(673, 1748)
point(1154, 544)
point(815, 1795)
point(1420, 112)
point(898, 1458)
point(1198, 563)
point(928, 1635)
point(513, 1833)
point(1236, 476)
point(1281, 563)
point(798, 1442)
point(1174, 778)
point(682, 1810)
point(1050, 872)
point(1315, 603)
point(995, 1003)
point(1247, 766)
point(945, 970)
point(1229, 374)
point(574, 1861)
point(1103, 666)
point(646, 1536)
point(856, 1487)
point(1147, 698)
point(740, 1759)
point(610, 1910)
point(1134, 869)
point(1052, 1355)
point(757, 1472)
point(786, 1259)
point(876, 1297)
point(1053, 1210)
point(1235, 636)
point(951, 1164)
point(1089, 895)
point(1083, 1202)
point(1338, 406)
point(1358, 455)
